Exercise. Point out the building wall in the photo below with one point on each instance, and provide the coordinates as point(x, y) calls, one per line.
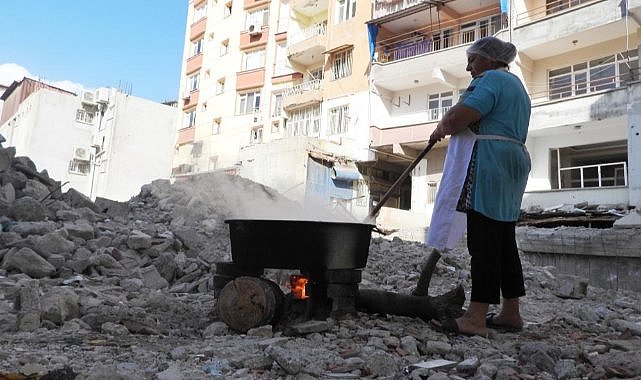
point(138, 146)
point(46, 131)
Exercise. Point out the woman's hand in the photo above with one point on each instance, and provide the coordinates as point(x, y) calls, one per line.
point(438, 133)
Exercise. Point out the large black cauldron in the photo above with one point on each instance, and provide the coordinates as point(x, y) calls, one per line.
point(294, 244)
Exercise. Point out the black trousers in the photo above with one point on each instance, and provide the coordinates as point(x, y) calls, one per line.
point(495, 264)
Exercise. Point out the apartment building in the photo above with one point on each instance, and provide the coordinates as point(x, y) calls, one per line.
point(578, 61)
point(103, 143)
point(338, 97)
point(277, 91)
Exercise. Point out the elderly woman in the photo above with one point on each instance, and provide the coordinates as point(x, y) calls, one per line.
point(484, 178)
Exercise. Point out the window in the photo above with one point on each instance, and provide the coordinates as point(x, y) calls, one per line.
point(227, 10)
point(277, 107)
point(224, 47)
point(248, 102)
point(304, 121)
point(595, 75)
point(194, 81)
point(342, 64)
point(589, 166)
point(220, 86)
point(200, 13)
point(84, 116)
point(79, 166)
point(256, 135)
point(190, 119)
point(339, 119)
point(257, 18)
point(215, 126)
point(254, 60)
point(345, 9)
point(439, 104)
point(281, 66)
point(197, 47)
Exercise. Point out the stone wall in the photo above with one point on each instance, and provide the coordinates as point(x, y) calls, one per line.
point(610, 257)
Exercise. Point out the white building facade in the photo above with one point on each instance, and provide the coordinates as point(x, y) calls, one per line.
point(102, 143)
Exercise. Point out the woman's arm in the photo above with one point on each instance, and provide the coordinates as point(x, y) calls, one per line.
point(457, 118)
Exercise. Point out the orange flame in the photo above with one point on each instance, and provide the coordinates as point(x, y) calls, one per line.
point(298, 284)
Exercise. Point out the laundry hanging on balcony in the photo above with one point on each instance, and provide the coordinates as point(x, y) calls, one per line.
point(372, 32)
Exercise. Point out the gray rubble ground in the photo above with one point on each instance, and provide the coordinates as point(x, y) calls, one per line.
point(109, 290)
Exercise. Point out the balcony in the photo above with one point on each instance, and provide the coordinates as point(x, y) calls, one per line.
point(594, 176)
point(250, 4)
point(307, 46)
point(582, 102)
point(285, 78)
point(253, 39)
point(197, 29)
point(383, 8)
point(186, 135)
point(250, 79)
point(426, 58)
point(302, 94)
point(191, 100)
point(194, 63)
point(309, 8)
point(543, 33)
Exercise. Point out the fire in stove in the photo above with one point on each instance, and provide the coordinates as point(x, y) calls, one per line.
point(298, 286)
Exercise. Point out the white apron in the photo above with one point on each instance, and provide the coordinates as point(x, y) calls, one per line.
point(448, 225)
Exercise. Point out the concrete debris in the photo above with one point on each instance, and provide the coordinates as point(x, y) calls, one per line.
point(125, 290)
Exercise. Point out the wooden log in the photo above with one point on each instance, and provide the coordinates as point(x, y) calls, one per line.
point(248, 302)
point(448, 305)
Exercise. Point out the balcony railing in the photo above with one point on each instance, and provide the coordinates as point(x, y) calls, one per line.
point(550, 8)
point(309, 32)
point(386, 7)
point(388, 50)
point(303, 87)
point(437, 113)
point(579, 88)
point(601, 175)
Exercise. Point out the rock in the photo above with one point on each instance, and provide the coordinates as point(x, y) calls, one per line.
point(381, 363)
point(571, 287)
point(292, 364)
point(60, 305)
point(152, 279)
point(261, 331)
point(27, 209)
point(410, 345)
point(216, 329)
point(623, 325)
point(28, 262)
point(138, 240)
point(76, 199)
point(169, 374)
point(7, 193)
point(114, 329)
point(80, 229)
point(33, 228)
point(309, 327)
point(35, 190)
point(54, 243)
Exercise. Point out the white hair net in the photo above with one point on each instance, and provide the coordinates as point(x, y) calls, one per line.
point(493, 49)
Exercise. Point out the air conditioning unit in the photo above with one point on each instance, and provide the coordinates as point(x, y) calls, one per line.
point(81, 154)
point(102, 95)
point(88, 97)
point(255, 30)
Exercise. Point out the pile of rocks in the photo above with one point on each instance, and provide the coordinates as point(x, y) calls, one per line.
point(109, 290)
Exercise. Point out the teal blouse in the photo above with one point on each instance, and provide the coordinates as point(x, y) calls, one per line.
point(501, 167)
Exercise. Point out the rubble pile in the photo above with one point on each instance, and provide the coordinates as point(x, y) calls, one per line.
point(123, 290)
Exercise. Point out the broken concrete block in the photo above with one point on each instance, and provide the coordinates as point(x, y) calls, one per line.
point(571, 287)
point(152, 279)
point(138, 240)
point(632, 220)
point(59, 305)
point(81, 229)
point(28, 262)
point(27, 209)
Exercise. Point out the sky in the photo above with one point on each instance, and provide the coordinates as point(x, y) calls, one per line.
point(127, 44)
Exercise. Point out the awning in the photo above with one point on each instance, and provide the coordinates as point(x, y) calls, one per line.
point(338, 48)
point(343, 172)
